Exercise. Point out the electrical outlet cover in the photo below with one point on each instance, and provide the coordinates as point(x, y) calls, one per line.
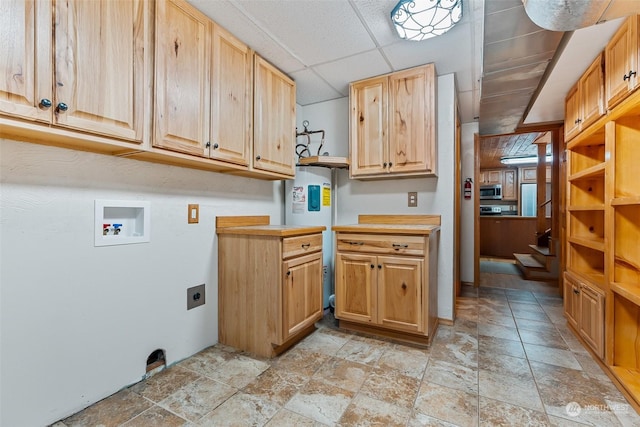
point(195, 296)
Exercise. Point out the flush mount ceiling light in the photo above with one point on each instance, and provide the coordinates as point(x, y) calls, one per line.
point(523, 160)
point(422, 19)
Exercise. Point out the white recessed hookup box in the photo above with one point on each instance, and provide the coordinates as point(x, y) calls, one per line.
point(122, 222)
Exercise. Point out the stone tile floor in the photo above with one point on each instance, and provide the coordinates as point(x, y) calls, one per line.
point(509, 360)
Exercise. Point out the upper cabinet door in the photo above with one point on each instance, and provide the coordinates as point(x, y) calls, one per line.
point(412, 139)
point(369, 134)
point(231, 78)
point(99, 66)
point(182, 89)
point(592, 93)
point(621, 59)
point(25, 63)
point(274, 118)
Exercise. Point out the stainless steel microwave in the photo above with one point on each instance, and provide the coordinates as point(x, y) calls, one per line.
point(491, 192)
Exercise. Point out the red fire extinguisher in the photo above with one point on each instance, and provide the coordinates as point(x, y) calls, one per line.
point(467, 188)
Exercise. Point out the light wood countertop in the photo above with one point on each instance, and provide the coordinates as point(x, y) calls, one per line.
point(272, 230)
point(412, 229)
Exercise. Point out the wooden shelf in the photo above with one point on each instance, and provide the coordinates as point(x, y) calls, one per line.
point(589, 173)
point(625, 201)
point(596, 279)
point(629, 378)
point(628, 291)
point(579, 208)
point(325, 161)
point(597, 245)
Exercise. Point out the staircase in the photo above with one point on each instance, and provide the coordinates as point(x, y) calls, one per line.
point(541, 263)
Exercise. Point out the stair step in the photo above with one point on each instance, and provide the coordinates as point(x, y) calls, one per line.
point(543, 250)
point(529, 261)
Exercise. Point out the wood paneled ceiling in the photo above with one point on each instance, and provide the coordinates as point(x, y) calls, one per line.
point(492, 148)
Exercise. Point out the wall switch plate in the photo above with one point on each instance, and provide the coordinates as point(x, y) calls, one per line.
point(413, 199)
point(195, 296)
point(194, 214)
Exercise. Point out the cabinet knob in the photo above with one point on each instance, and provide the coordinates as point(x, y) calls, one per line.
point(373, 266)
point(384, 165)
point(631, 74)
point(45, 103)
point(379, 267)
point(62, 107)
point(576, 291)
point(390, 164)
point(208, 144)
point(305, 245)
point(258, 157)
point(289, 273)
point(215, 146)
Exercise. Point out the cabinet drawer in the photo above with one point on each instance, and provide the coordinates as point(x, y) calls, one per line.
point(381, 244)
point(300, 245)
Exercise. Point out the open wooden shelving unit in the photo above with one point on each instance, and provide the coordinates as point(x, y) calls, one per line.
point(603, 241)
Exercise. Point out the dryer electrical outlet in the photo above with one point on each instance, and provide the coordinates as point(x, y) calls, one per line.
point(195, 296)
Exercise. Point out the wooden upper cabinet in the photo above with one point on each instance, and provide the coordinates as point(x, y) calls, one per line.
point(392, 122)
point(182, 85)
point(572, 113)
point(99, 67)
point(509, 185)
point(584, 103)
point(25, 64)
point(369, 135)
point(412, 138)
point(621, 62)
point(231, 102)
point(274, 119)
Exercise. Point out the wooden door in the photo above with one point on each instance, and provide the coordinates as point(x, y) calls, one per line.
point(274, 119)
point(572, 113)
point(182, 87)
point(620, 57)
point(412, 121)
point(369, 138)
point(400, 293)
point(302, 296)
point(592, 93)
point(592, 319)
point(99, 67)
point(572, 301)
point(356, 276)
point(509, 187)
point(26, 77)
point(231, 102)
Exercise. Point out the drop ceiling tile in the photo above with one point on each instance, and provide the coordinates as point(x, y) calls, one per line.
point(405, 54)
point(312, 31)
point(225, 14)
point(377, 17)
point(310, 88)
point(341, 72)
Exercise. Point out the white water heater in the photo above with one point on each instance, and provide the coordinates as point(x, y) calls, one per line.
point(309, 201)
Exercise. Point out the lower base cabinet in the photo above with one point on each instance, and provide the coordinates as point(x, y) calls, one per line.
point(269, 284)
point(584, 309)
point(386, 284)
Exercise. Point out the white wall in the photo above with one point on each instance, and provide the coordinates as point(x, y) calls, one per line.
point(435, 195)
point(467, 211)
point(77, 321)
